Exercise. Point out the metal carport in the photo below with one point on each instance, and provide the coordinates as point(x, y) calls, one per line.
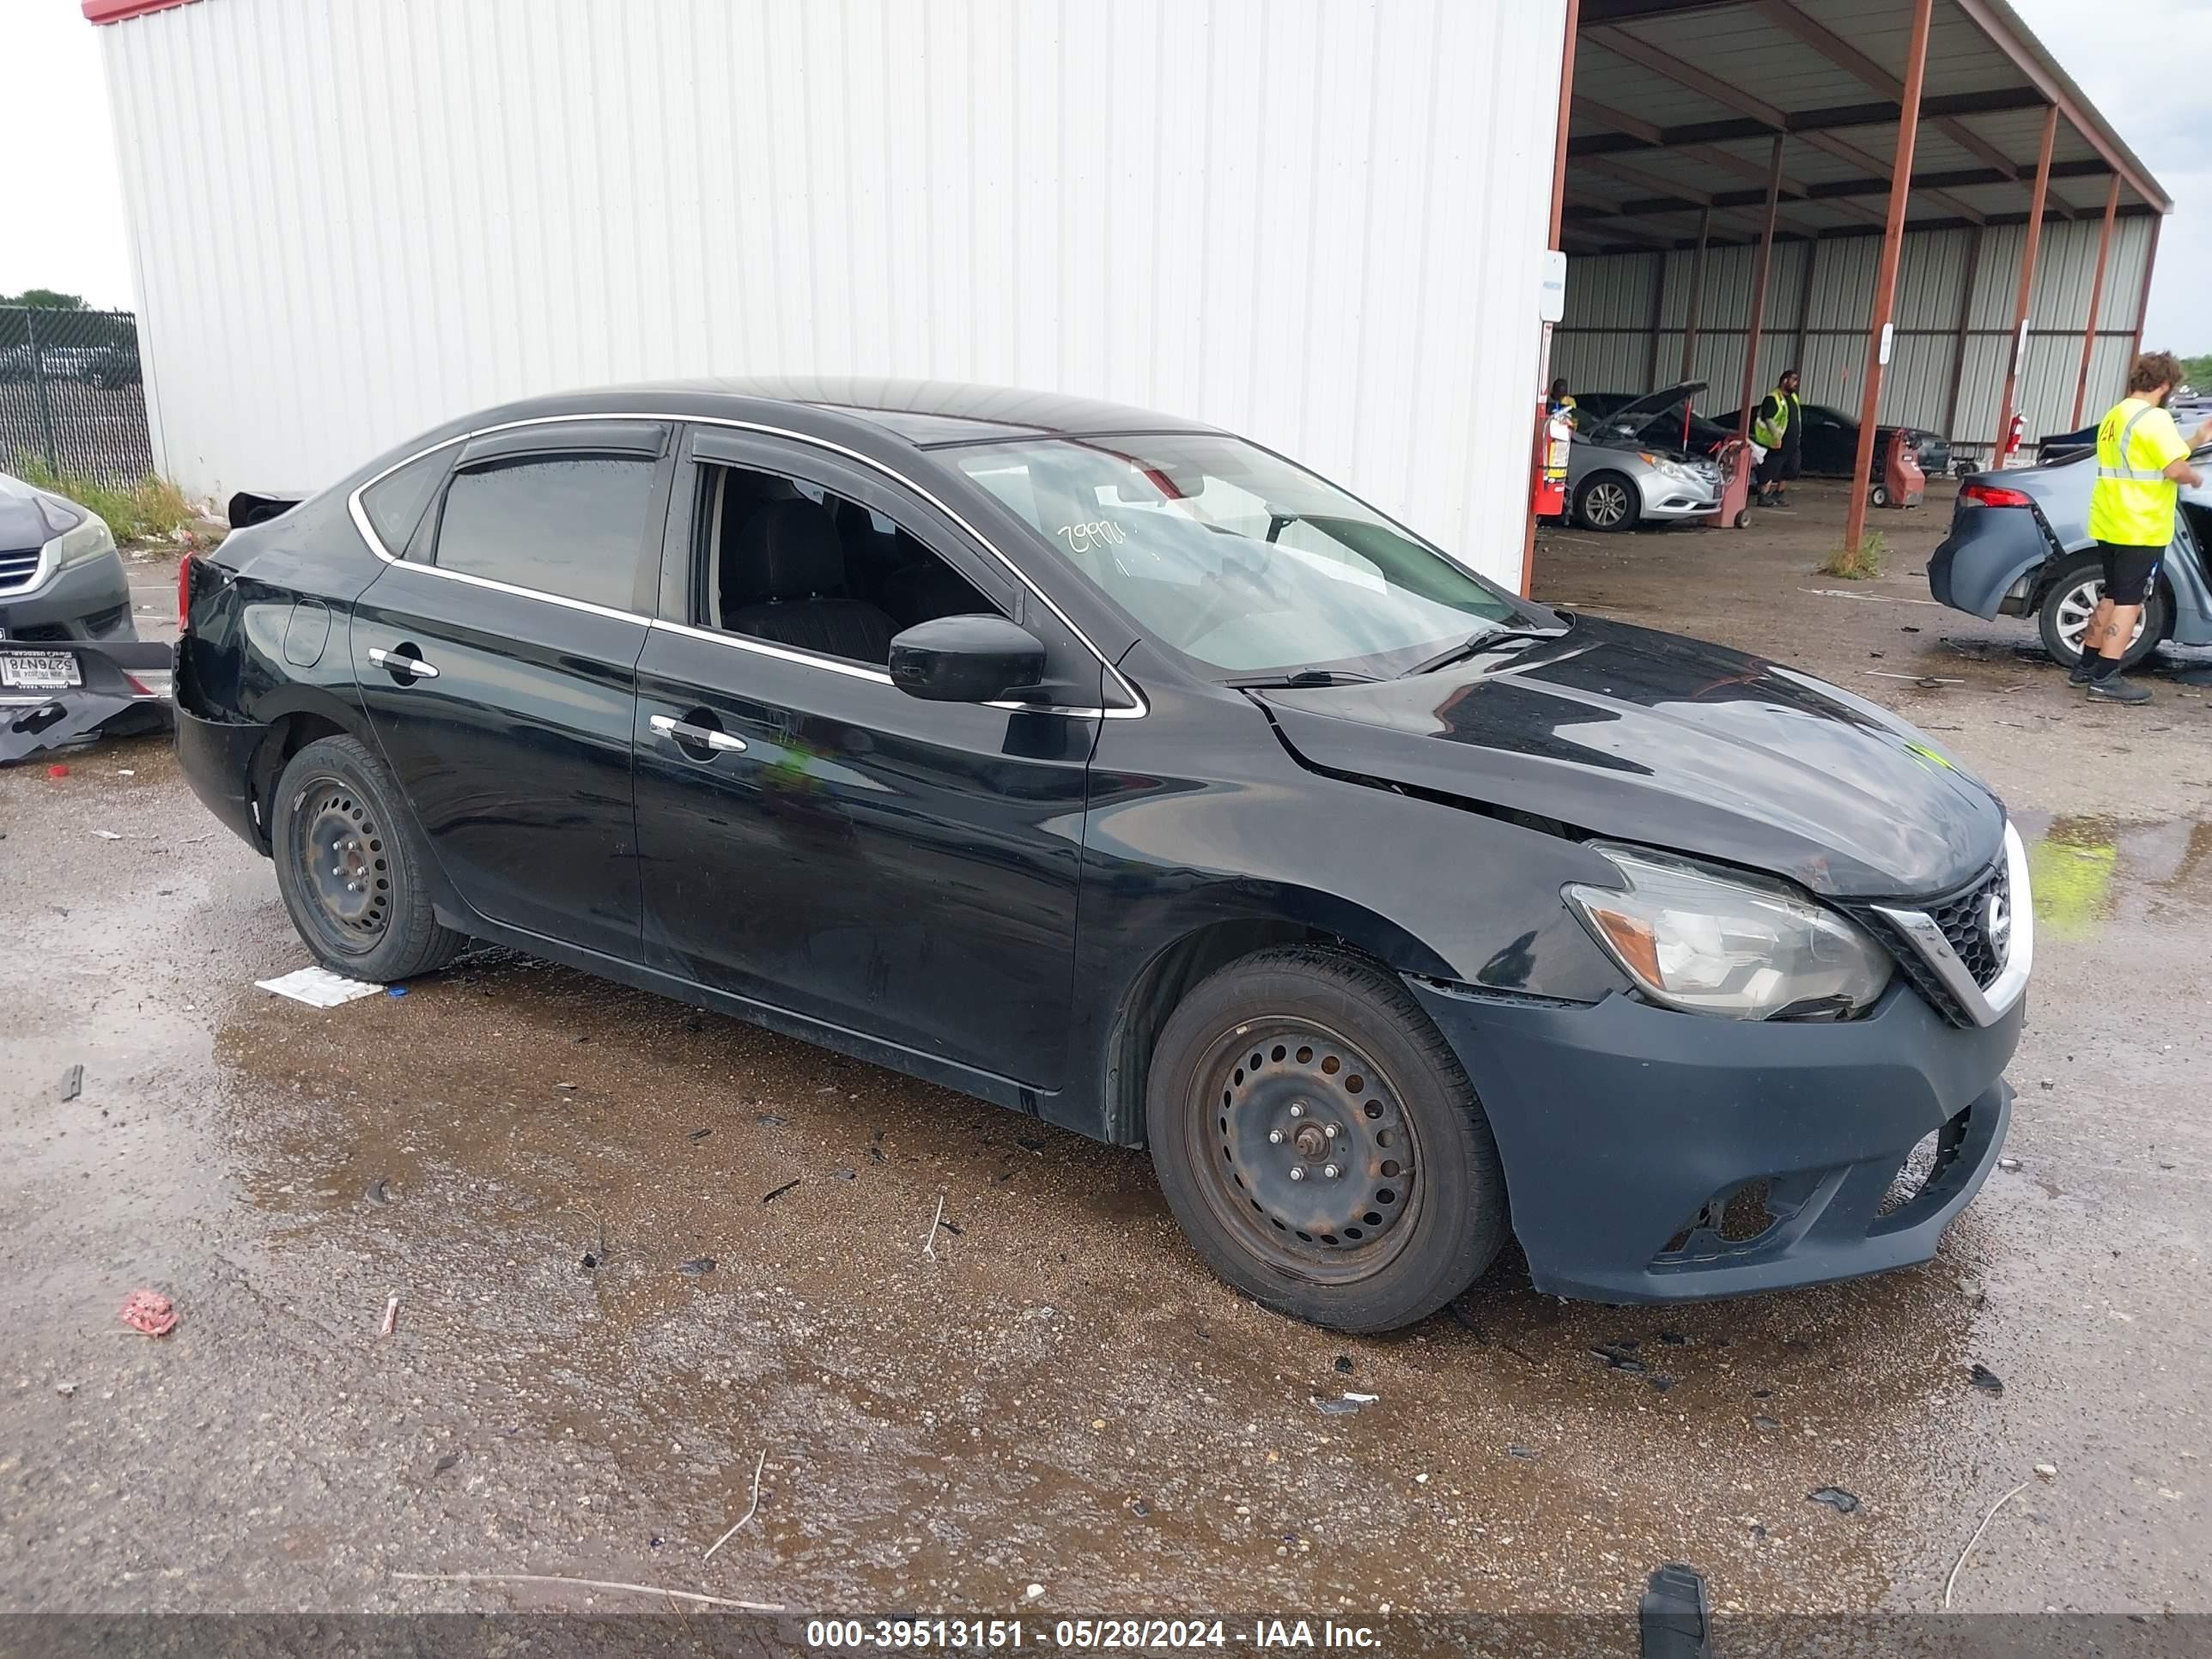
point(1740, 184)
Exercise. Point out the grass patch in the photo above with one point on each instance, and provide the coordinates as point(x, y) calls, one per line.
point(1862, 565)
point(146, 510)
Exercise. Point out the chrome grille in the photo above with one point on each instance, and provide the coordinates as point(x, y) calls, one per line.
point(17, 567)
point(1963, 919)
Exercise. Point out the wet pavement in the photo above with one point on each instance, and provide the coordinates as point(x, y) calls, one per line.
point(1055, 1392)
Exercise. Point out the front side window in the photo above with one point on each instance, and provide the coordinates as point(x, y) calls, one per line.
point(569, 525)
point(1240, 561)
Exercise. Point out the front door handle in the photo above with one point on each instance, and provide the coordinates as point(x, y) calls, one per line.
point(398, 663)
point(684, 732)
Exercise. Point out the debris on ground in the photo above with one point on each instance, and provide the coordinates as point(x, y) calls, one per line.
point(1951, 1584)
point(2048, 1471)
point(377, 1193)
point(447, 1462)
point(774, 1120)
point(694, 1596)
point(72, 1082)
point(751, 1508)
point(847, 1174)
point(1525, 1453)
point(390, 1317)
point(698, 1135)
point(149, 1313)
point(588, 1261)
point(698, 1267)
point(1344, 1363)
point(318, 987)
point(67, 1390)
point(1674, 1614)
point(1765, 1423)
point(2009, 1163)
point(929, 1238)
point(1032, 1592)
point(1662, 1383)
point(1344, 1407)
point(771, 1197)
point(107, 835)
point(395, 990)
point(1986, 1379)
point(1620, 1356)
point(1835, 1498)
point(58, 770)
point(1029, 1144)
point(1673, 1339)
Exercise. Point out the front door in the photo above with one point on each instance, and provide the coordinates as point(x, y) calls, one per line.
point(497, 663)
point(814, 839)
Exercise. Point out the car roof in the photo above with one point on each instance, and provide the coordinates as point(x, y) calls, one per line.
point(927, 414)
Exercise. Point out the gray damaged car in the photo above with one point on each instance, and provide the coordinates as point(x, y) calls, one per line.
point(1629, 466)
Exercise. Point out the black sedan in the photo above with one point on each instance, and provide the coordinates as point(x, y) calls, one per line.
point(1115, 769)
point(1831, 441)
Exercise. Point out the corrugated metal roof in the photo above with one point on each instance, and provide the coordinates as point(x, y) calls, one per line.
point(1689, 91)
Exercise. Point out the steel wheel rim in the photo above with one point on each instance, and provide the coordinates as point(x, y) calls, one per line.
point(1606, 505)
point(338, 851)
point(2078, 604)
point(1244, 1139)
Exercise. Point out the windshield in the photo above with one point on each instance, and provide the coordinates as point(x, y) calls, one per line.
point(1236, 558)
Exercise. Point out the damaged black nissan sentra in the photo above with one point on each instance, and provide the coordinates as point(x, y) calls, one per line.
point(1114, 769)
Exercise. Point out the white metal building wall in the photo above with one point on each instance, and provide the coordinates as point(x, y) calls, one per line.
point(1319, 222)
point(1606, 341)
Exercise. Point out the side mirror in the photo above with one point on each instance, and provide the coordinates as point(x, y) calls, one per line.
point(966, 659)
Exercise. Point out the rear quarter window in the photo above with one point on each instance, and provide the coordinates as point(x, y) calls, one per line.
point(395, 503)
point(569, 525)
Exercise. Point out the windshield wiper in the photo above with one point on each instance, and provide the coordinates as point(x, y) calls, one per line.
point(1303, 676)
point(1481, 642)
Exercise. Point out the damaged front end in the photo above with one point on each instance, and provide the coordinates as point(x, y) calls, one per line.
point(63, 694)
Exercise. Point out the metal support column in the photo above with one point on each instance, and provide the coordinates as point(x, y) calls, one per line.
point(2017, 358)
point(1697, 291)
point(1759, 275)
point(1885, 286)
point(1659, 260)
point(1804, 305)
point(2096, 300)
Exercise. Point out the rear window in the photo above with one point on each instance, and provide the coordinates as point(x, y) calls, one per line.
point(569, 525)
point(394, 503)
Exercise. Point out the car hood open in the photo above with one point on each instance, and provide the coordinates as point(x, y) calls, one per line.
point(1647, 737)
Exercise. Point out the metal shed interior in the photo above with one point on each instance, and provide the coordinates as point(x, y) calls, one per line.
point(1684, 115)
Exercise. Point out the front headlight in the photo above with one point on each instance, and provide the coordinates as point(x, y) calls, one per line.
point(77, 534)
point(1740, 947)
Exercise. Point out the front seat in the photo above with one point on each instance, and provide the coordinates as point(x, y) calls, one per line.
point(787, 580)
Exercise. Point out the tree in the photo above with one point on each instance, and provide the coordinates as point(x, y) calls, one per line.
point(44, 298)
point(2197, 371)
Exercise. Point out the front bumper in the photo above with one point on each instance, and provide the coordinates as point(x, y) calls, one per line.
point(87, 601)
point(1666, 498)
point(1643, 1147)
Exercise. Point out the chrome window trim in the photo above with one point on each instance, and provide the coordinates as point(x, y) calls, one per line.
point(1138, 706)
point(1984, 1007)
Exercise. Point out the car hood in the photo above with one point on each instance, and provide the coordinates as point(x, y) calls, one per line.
point(1651, 737)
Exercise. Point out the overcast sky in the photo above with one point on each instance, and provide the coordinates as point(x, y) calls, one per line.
point(65, 218)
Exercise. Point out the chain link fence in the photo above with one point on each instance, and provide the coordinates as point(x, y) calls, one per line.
point(72, 395)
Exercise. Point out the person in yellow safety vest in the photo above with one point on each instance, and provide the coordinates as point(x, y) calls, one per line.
point(1779, 428)
point(2142, 460)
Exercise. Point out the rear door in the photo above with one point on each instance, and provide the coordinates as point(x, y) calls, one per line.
point(814, 838)
point(497, 662)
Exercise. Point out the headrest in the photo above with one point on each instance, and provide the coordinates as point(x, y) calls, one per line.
point(789, 551)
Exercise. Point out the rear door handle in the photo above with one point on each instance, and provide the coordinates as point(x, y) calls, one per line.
point(398, 663)
point(684, 732)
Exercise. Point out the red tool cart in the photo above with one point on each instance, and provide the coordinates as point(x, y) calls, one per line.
point(1735, 462)
point(1902, 484)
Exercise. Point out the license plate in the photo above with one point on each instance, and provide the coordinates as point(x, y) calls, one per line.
point(40, 671)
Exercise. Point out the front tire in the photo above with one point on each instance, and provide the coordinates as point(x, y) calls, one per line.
point(2072, 598)
point(1306, 1060)
point(1608, 501)
point(350, 869)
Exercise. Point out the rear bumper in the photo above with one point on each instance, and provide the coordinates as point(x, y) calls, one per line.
point(1626, 1131)
point(87, 601)
point(217, 758)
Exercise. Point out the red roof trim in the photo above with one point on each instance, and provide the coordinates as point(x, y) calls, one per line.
point(122, 11)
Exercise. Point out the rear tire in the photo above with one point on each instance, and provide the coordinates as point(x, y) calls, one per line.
point(350, 868)
point(1306, 1059)
point(2071, 599)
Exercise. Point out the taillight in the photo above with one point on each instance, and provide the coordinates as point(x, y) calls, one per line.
point(184, 590)
point(1982, 495)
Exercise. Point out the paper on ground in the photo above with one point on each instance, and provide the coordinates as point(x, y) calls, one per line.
point(318, 987)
